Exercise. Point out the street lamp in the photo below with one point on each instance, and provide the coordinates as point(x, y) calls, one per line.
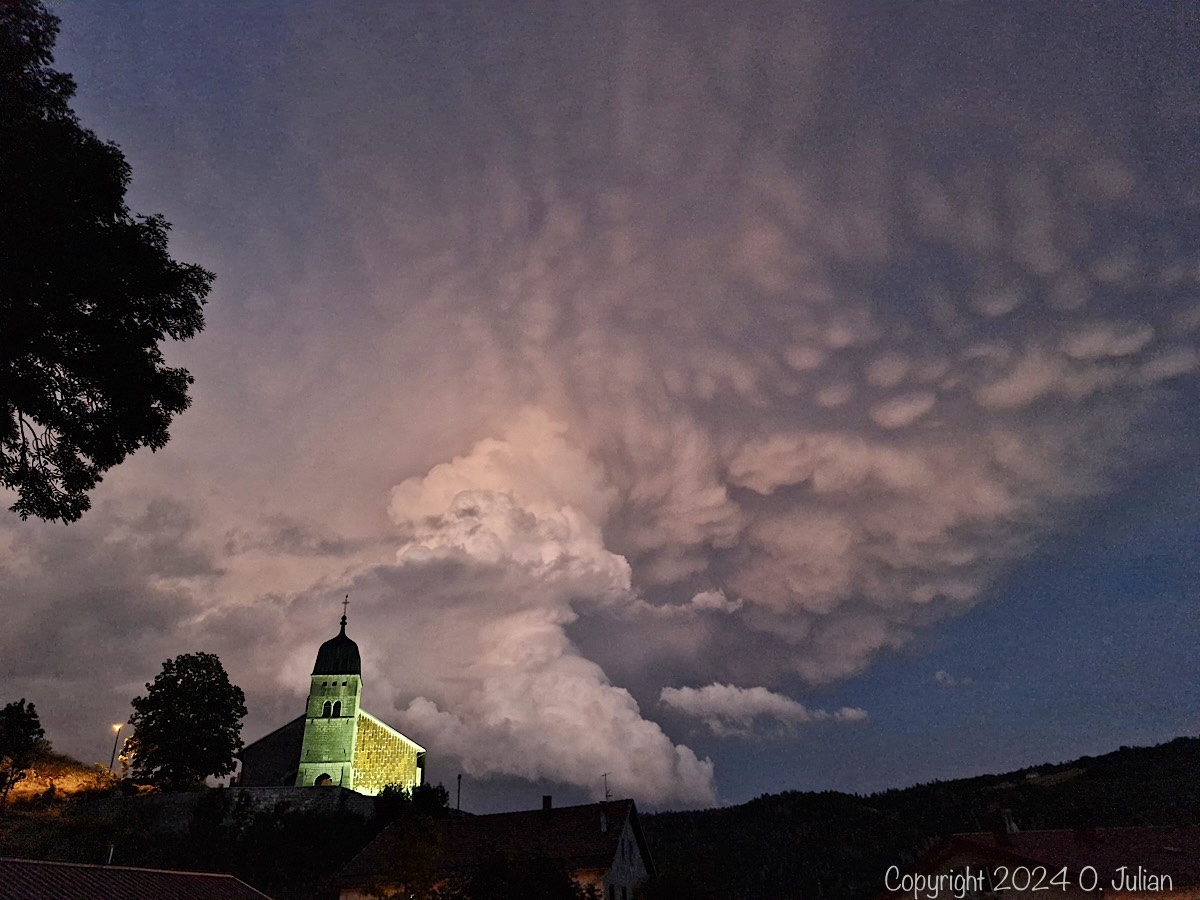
point(116, 737)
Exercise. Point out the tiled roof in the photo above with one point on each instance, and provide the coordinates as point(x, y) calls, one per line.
point(26, 879)
point(1160, 851)
point(581, 837)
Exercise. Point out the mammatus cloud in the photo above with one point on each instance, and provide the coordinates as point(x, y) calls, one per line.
point(841, 383)
point(728, 710)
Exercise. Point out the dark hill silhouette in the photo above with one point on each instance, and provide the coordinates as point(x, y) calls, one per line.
point(836, 845)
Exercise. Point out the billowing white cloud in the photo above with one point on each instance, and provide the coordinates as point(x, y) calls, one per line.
point(728, 710)
point(520, 699)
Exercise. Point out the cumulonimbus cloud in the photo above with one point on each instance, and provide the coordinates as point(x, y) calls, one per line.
point(522, 700)
point(676, 307)
point(841, 385)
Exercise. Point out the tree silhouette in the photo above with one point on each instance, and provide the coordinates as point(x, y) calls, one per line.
point(21, 738)
point(188, 725)
point(88, 291)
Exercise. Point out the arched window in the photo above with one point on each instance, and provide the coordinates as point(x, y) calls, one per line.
point(325, 710)
point(323, 780)
point(337, 709)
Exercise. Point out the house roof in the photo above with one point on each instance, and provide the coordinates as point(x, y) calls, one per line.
point(1159, 850)
point(27, 879)
point(580, 837)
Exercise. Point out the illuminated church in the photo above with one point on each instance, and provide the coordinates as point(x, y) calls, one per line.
point(336, 742)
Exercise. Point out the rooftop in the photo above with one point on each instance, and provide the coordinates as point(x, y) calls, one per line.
point(28, 879)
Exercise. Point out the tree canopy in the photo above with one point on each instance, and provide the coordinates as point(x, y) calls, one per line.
point(21, 738)
point(189, 724)
point(428, 801)
point(88, 291)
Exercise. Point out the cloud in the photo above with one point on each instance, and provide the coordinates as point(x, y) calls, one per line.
point(946, 680)
point(606, 319)
point(732, 711)
point(522, 700)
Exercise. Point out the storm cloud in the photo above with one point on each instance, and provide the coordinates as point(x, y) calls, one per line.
point(617, 339)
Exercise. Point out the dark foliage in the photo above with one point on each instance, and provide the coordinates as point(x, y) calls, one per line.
point(284, 852)
point(88, 291)
point(423, 801)
point(21, 740)
point(188, 725)
point(413, 839)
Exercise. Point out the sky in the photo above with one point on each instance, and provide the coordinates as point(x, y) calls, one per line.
point(727, 397)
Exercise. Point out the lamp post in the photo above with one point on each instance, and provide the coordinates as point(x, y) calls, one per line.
point(116, 737)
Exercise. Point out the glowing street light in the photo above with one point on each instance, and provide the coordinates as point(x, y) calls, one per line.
point(116, 737)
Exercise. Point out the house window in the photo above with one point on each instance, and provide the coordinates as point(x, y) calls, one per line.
point(325, 710)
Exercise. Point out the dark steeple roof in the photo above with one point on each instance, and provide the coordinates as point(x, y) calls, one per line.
point(338, 656)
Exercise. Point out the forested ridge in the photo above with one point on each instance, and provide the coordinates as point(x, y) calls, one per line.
point(836, 845)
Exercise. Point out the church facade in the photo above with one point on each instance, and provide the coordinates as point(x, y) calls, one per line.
point(336, 742)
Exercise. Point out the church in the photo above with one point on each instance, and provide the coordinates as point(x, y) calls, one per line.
point(336, 742)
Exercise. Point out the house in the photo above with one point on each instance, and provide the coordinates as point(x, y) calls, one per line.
point(335, 743)
point(1126, 863)
point(27, 879)
point(598, 844)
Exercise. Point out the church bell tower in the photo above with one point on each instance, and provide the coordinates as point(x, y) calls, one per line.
point(331, 720)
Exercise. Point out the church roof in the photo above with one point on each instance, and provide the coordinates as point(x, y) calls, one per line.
point(338, 656)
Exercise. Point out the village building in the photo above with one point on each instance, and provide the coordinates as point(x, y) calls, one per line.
point(335, 743)
point(599, 845)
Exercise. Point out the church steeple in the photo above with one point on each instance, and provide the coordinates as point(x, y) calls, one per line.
point(331, 722)
point(339, 655)
point(342, 744)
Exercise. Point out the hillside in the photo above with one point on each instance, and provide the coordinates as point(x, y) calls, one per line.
point(62, 776)
point(838, 845)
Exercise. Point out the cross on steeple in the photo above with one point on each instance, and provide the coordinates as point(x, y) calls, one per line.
point(345, 603)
